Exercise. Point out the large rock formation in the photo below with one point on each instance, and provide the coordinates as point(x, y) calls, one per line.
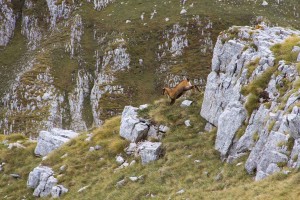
point(242, 56)
point(53, 139)
point(7, 22)
point(42, 180)
point(138, 131)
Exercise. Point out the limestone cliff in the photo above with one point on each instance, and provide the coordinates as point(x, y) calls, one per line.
point(252, 96)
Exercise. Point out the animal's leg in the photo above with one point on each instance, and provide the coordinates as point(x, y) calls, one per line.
point(172, 102)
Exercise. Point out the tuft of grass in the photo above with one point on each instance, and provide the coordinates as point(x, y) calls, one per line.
point(252, 66)
point(252, 103)
point(255, 137)
point(255, 88)
point(283, 51)
point(241, 131)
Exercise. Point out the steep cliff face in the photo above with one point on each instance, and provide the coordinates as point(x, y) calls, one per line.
point(7, 22)
point(77, 70)
point(251, 96)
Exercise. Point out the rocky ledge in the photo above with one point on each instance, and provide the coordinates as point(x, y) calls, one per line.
point(252, 97)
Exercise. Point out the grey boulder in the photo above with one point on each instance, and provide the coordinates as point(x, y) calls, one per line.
point(132, 128)
point(149, 151)
point(53, 139)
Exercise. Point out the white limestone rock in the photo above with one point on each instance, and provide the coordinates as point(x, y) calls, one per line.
point(186, 103)
point(229, 122)
point(58, 191)
point(30, 25)
point(7, 22)
point(101, 4)
point(120, 160)
point(53, 139)
point(149, 151)
point(132, 128)
point(41, 179)
point(296, 49)
point(255, 126)
point(265, 3)
point(269, 150)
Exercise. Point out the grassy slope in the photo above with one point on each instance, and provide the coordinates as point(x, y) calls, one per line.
point(163, 178)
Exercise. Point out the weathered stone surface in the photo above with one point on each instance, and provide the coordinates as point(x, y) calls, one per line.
point(120, 160)
point(7, 22)
point(131, 148)
point(229, 122)
point(53, 139)
point(41, 179)
point(296, 49)
point(132, 128)
point(255, 125)
point(292, 125)
point(186, 103)
point(294, 160)
point(58, 190)
point(208, 127)
point(149, 151)
point(268, 151)
point(268, 129)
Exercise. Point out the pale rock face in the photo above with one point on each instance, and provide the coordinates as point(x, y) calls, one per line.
point(7, 23)
point(100, 4)
point(58, 11)
point(41, 179)
point(58, 190)
point(186, 103)
point(53, 139)
point(255, 126)
point(74, 45)
point(267, 130)
point(30, 27)
point(131, 127)
point(76, 100)
point(230, 121)
point(149, 151)
point(114, 60)
point(294, 161)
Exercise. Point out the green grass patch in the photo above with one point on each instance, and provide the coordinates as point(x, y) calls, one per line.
point(283, 51)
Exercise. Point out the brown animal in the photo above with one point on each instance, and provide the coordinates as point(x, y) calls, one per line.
point(178, 90)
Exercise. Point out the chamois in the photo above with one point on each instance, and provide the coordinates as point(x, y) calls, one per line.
point(178, 90)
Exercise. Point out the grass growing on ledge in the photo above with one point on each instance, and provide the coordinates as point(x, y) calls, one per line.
point(255, 88)
point(283, 51)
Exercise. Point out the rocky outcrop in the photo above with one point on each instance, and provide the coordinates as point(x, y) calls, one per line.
point(225, 135)
point(100, 4)
point(58, 10)
point(42, 180)
point(149, 151)
point(7, 22)
point(30, 25)
point(132, 128)
point(138, 131)
point(53, 139)
point(114, 60)
point(241, 56)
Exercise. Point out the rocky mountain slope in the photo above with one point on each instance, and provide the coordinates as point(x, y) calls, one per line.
point(80, 64)
point(252, 96)
point(66, 63)
point(254, 87)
